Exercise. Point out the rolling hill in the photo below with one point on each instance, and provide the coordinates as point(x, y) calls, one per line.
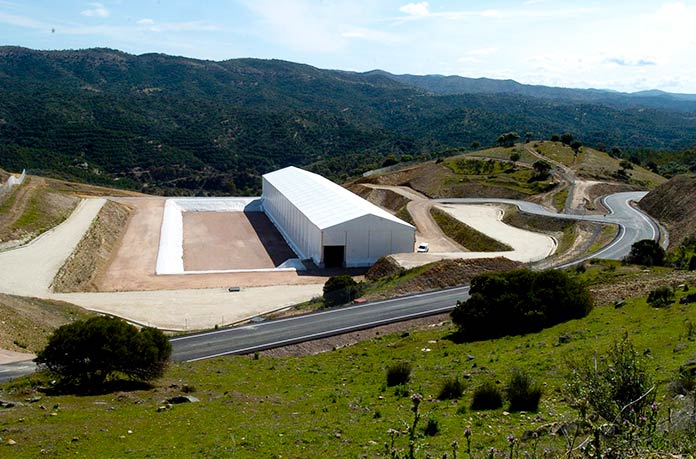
point(174, 125)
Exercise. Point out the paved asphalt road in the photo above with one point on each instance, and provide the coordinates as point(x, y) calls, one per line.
point(266, 335)
point(13, 370)
point(634, 225)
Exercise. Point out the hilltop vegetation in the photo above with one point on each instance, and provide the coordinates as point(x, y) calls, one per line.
point(184, 126)
point(338, 403)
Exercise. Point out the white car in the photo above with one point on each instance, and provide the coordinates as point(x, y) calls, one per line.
point(422, 247)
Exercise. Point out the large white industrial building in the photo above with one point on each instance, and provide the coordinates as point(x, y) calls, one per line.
point(327, 223)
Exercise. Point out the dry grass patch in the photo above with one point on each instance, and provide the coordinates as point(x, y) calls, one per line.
point(26, 323)
point(93, 254)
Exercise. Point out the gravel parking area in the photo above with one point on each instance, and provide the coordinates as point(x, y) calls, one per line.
point(232, 240)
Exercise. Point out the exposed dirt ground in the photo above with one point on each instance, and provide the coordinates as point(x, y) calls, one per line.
point(349, 339)
point(32, 208)
point(445, 274)
point(639, 285)
point(26, 323)
point(427, 230)
point(95, 251)
point(382, 197)
point(679, 217)
point(133, 267)
point(232, 240)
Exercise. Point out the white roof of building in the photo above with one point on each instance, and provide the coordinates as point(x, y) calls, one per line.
point(323, 202)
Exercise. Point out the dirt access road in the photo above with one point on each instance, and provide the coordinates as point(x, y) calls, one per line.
point(427, 230)
point(29, 270)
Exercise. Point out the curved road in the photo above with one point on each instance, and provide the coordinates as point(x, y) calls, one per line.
point(634, 226)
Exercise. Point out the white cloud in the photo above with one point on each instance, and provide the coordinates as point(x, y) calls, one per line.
point(416, 9)
point(468, 60)
point(146, 21)
point(624, 62)
point(372, 35)
point(483, 51)
point(191, 26)
point(21, 21)
point(96, 10)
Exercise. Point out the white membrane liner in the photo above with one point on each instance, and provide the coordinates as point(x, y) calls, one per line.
point(170, 256)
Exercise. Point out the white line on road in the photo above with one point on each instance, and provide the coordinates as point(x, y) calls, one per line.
point(331, 311)
point(327, 333)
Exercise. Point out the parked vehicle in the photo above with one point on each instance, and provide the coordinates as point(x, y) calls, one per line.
point(423, 247)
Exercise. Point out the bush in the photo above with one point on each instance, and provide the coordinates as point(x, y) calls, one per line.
point(515, 156)
point(452, 389)
point(91, 351)
point(616, 386)
point(487, 396)
point(661, 297)
point(646, 253)
point(522, 392)
point(398, 373)
point(432, 427)
point(341, 289)
point(518, 302)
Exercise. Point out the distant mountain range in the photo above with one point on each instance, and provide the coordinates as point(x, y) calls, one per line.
point(176, 125)
point(453, 84)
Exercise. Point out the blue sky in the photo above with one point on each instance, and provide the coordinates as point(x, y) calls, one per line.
point(621, 45)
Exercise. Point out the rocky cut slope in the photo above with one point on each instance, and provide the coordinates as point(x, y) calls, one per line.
point(674, 204)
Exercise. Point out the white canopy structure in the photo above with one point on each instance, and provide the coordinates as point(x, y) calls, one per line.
point(327, 223)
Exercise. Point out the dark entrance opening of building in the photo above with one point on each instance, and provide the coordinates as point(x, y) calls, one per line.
point(334, 256)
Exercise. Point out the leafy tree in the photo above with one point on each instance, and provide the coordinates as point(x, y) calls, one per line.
point(528, 136)
point(519, 302)
point(647, 253)
point(652, 166)
point(576, 146)
point(625, 164)
point(555, 138)
point(541, 170)
point(508, 139)
point(390, 161)
point(341, 289)
point(515, 157)
point(567, 138)
point(475, 145)
point(89, 352)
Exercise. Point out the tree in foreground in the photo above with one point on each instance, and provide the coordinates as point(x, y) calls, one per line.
point(519, 302)
point(89, 352)
point(647, 253)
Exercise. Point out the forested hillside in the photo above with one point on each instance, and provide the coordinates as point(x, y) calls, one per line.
point(175, 125)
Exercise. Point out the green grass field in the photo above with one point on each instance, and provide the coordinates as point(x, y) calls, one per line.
point(337, 404)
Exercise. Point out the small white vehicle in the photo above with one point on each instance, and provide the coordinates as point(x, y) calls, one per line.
point(422, 247)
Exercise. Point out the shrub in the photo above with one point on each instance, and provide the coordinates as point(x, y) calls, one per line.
point(88, 352)
point(432, 427)
point(617, 386)
point(522, 392)
point(515, 156)
point(647, 253)
point(487, 396)
point(398, 373)
point(518, 302)
point(452, 389)
point(661, 297)
point(341, 289)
